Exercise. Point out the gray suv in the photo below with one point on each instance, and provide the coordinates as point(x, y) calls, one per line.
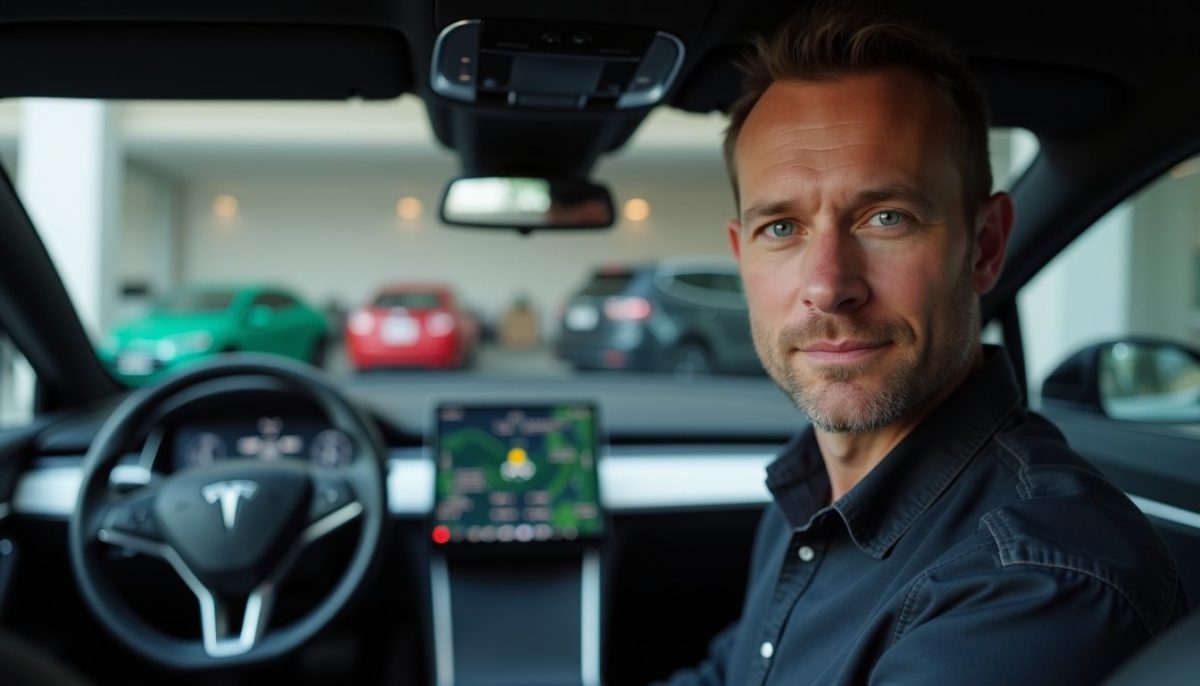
point(685, 317)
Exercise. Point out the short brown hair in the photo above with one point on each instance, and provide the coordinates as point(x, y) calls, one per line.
point(826, 43)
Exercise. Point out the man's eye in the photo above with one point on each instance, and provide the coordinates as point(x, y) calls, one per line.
point(780, 229)
point(887, 218)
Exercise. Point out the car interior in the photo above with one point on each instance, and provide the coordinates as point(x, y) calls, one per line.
point(374, 561)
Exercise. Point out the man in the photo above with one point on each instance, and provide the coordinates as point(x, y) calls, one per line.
point(926, 529)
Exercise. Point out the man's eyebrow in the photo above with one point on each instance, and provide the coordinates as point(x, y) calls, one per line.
point(765, 208)
point(912, 196)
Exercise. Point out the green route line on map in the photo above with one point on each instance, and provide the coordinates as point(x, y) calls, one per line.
point(462, 438)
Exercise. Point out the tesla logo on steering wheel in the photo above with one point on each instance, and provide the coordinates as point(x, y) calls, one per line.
point(229, 494)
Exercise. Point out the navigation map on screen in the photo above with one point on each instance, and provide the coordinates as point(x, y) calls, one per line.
point(516, 474)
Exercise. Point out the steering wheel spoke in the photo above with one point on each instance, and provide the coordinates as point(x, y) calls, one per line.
point(221, 637)
point(334, 504)
point(130, 522)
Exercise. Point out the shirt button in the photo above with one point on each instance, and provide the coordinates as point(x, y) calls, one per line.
point(806, 553)
point(766, 650)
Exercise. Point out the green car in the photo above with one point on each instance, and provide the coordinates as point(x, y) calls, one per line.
point(195, 323)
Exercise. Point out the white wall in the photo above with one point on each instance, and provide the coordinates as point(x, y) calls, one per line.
point(1081, 297)
point(1165, 247)
point(336, 234)
point(149, 225)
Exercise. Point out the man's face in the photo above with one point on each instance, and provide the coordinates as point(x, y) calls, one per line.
point(859, 268)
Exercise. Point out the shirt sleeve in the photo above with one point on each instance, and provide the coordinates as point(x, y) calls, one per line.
point(1024, 624)
point(713, 669)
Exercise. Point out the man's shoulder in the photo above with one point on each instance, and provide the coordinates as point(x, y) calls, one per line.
point(1067, 518)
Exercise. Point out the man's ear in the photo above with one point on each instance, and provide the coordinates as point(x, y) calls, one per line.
point(993, 224)
point(734, 227)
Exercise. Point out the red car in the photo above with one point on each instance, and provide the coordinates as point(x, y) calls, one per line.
point(411, 325)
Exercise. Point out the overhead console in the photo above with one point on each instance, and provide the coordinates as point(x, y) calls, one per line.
point(556, 65)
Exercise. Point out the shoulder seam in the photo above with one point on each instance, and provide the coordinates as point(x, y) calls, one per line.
point(1129, 601)
point(997, 530)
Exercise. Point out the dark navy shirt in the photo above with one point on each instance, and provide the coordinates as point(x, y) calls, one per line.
point(981, 550)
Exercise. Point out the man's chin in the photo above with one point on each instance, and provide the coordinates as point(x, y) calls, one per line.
point(848, 417)
point(845, 406)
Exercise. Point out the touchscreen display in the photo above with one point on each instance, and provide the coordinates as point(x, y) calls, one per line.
point(508, 474)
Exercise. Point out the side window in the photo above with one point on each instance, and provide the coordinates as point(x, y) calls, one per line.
point(278, 301)
point(17, 382)
point(695, 279)
point(709, 288)
point(1119, 309)
point(728, 283)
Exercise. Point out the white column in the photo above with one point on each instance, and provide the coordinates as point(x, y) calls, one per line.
point(16, 386)
point(69, 180)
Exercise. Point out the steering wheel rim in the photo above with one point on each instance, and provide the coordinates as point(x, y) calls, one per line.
point(91, 526)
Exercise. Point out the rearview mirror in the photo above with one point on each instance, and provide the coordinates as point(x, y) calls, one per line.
point(526, 203)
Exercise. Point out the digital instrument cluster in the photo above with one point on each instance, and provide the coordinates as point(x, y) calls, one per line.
point(267, 438)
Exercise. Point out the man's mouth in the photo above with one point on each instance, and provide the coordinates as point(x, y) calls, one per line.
point(841, 352)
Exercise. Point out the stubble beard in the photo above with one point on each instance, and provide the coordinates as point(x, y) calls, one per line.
point(836, 400)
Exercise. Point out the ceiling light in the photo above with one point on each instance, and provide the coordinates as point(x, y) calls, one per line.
point(408, 208)
point(225, 206)
point(637, 210)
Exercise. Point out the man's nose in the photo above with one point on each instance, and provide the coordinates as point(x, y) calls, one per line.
point(833, 274)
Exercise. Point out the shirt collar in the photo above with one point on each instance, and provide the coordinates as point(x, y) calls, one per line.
point(881, 507)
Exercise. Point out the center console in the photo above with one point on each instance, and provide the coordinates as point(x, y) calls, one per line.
point(515, 576)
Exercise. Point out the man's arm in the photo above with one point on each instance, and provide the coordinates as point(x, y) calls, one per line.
point(1018, 625)
point(713, 669)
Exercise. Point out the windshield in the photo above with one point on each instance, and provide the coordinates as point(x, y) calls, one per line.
point(411, 301)
point(196, 302)
point(334, 201)
point(605, 284)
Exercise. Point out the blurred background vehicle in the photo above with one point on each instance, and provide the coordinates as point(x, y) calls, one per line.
point(685, 317)
point(412, 325)
point(196, 322)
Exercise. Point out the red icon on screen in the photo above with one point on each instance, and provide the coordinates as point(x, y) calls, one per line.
point(441, 535)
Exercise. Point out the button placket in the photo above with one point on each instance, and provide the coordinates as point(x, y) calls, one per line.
point(794, 579)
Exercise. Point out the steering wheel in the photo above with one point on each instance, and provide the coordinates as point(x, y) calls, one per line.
point(230, 530)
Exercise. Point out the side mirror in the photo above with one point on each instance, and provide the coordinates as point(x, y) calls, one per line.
point(260, 317)
point(1139, 380)
point(526, 203)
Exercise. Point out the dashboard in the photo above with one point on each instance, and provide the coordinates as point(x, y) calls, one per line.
point(570, 508)
point(503, 474)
